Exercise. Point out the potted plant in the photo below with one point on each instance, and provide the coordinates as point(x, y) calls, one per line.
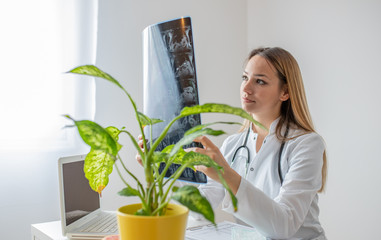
point(157, 191)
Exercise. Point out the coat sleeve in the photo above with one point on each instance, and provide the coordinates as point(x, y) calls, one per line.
point(282, 217)
point(213, 190)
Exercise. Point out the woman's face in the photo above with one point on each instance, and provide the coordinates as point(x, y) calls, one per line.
point(261, 90)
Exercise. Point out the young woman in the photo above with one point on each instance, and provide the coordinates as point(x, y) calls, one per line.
point(276, 177)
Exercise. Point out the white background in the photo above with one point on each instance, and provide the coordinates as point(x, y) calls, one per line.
point(338, 47)
point(337, 44)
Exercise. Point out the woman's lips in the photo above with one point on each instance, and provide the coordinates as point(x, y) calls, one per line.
point(246, 100)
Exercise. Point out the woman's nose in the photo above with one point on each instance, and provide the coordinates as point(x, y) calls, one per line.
point(247, 87)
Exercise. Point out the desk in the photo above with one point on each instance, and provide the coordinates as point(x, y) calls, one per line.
point(47, 231)
point(53, 231)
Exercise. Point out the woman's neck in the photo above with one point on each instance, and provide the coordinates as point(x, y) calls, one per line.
point(265, 121)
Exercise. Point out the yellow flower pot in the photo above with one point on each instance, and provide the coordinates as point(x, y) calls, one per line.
point(171, 226)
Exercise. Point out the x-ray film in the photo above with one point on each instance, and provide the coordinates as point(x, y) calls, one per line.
point(170, 84)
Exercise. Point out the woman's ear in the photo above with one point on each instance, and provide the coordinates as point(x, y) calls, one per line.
point(284, 96)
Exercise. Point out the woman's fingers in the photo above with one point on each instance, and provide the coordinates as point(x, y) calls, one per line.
point(211, 151)
point(201, 168)
point(206, 142)
point(233, 179)
point(141, 145)
point(140, 141)
point(139, 159)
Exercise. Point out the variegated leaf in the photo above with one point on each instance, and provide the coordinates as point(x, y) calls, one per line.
point(219, 108)
point(191, 197)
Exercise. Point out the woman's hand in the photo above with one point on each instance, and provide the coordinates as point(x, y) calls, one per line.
point(140, 143)
point(232, 178)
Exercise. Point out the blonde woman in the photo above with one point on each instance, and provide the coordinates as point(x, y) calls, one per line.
point(277, 174)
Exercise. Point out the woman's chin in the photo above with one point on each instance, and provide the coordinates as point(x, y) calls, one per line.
point(248, 107)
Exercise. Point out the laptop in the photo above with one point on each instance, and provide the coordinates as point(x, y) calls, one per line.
point(81, 215)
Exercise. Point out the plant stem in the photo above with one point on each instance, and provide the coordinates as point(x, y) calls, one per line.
point(177, 174)
point(168, 180)
point(162, 135)
point(131, 174)
point(160, 207)
point(125, 182)
point(135, 143)
point(147, 162)
point(149, 198)
point(156, 171)
point(137, 117)
point(147, 165)
point(167, 165)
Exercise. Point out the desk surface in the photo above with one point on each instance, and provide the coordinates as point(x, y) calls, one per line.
point(47, 231)
point(53, 230)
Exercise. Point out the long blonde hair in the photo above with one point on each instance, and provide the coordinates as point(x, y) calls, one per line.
point(294, 111)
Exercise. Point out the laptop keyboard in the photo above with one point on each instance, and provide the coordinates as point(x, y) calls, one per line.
point(107, 222)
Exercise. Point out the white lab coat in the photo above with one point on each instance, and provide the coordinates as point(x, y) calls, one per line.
point(289, 211)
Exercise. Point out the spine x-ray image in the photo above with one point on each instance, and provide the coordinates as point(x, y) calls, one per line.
point(170, 83)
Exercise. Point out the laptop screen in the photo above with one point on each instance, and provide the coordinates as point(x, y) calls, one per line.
point(79, 198)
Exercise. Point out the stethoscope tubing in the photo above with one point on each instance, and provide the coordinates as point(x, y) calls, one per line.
point(244, 146)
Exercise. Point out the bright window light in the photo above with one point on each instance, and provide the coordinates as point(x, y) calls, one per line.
point(34, 91)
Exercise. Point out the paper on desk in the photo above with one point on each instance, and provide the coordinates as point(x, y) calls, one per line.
point(224, 231)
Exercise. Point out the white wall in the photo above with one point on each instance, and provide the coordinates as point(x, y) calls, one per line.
point(29, 159)
point(29, 191)
point(337, 44)
point(219, 32)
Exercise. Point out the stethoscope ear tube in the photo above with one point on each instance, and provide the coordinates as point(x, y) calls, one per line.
point(280, 158)
point(244, 146)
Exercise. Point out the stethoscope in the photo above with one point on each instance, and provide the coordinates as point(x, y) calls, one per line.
point(246, 149)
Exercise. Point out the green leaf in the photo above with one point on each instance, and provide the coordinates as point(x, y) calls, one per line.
point(168, 148)
point(179, 155)
point(219, 108)
point(191, 197)
point(128, 192)
point(97, 137)
point(145, 120)
point(91, 70)
point(201, 126)
point(98, 166)
point(94, 71)
point(190, 137)
point(158, 157)
point(198, 131)
point(114, 132)
point(141, 212)
point(194, 159)
point(226, 186)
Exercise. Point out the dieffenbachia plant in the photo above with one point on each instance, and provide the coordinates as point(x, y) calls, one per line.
point(157, 191)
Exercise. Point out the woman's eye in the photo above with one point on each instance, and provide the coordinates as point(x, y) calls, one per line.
point(244, 78)
point(261, 82)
